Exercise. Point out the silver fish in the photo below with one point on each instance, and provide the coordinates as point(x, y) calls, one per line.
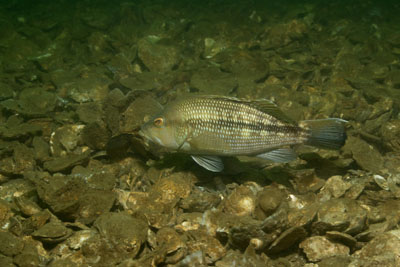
point(207, 127)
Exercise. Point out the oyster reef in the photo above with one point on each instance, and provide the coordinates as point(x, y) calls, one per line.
point(80, 79)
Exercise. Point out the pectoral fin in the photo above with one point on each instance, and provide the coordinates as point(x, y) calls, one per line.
point(281, 155)
point(211, 163)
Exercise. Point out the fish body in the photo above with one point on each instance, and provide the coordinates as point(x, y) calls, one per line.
point(211, 126)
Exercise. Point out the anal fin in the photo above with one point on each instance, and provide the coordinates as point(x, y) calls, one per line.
point(281, 155)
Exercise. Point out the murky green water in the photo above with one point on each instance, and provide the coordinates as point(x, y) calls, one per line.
point(80, 187)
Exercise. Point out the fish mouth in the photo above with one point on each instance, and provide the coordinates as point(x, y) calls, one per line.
point(144, 136)
point(147, 139)
point(156, 140)
point(141, 133)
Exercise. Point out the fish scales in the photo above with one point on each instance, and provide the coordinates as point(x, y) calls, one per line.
point(207, 127)
point(234, 128)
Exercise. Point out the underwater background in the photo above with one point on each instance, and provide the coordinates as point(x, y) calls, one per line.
point(78, 186)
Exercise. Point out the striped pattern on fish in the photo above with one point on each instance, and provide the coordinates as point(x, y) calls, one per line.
point(224, 126)
point(211, 126)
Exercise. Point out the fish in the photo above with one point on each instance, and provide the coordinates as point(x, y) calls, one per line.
point(208, 127)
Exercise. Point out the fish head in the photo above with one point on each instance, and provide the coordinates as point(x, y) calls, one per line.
point(161, 130)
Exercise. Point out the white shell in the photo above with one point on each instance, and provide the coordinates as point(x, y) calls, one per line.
point(381, 182)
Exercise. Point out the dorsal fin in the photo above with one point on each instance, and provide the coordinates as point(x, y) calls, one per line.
point(272, 109)
point(263, 105)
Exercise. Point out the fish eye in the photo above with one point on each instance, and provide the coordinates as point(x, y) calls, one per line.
point(159, 122)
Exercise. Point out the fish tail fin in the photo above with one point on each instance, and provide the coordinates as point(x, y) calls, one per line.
point(326, 133)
